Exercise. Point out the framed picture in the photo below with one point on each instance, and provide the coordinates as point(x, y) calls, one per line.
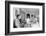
point(24, 17)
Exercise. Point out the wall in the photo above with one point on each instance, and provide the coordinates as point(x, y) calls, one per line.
point(2, 18)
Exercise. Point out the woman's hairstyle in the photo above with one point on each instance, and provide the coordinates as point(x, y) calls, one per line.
point(28, 15)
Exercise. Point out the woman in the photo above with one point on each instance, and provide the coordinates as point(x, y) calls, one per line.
point(28, 24)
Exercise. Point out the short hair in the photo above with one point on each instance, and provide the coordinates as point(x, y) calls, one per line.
point(17, 15)
point(32, 15)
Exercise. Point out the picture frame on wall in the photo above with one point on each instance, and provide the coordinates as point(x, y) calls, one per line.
point(24, 17)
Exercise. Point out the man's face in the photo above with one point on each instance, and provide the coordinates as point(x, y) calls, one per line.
point(19, 17)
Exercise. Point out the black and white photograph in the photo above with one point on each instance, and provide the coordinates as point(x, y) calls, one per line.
point(24, 18)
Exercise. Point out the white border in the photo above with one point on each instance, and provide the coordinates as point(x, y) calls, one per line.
point(24, 29)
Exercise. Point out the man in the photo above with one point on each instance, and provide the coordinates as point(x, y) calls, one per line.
point(19, 22)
